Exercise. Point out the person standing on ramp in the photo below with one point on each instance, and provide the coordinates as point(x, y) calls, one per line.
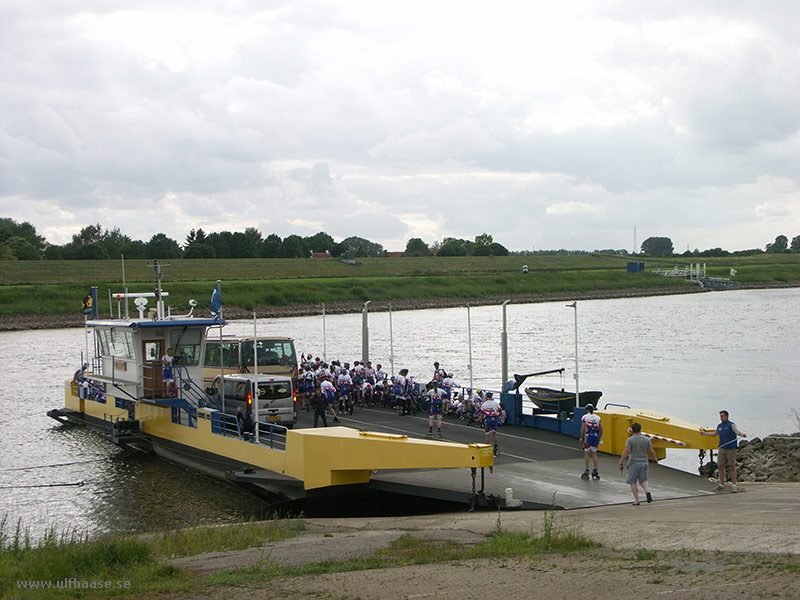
point(591, 432)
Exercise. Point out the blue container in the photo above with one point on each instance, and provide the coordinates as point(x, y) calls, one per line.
point(635, 267)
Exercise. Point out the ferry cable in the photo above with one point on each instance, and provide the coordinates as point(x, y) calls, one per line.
point(41, 485)
point(80, 462)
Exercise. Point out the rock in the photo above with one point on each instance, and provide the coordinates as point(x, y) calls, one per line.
point(773, 458)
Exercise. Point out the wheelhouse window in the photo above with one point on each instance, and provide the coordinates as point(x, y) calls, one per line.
point(116, 342)
point(186, 346)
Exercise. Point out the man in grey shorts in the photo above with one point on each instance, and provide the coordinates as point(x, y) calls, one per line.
point(637, 448)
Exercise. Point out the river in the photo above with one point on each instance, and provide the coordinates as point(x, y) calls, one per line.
point(686, 355)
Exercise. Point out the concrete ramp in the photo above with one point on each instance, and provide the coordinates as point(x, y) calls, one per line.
point(543, 469)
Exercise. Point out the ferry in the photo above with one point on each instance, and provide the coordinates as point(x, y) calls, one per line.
point(139, 401)
point(123, 391)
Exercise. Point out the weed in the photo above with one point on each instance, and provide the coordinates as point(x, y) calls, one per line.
point(549, 522)
point(642, 554)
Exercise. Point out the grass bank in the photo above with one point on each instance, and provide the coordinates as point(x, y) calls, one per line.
point(57, 287)
point(59, 565)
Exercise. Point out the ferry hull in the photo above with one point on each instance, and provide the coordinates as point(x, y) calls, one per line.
point(292, 465)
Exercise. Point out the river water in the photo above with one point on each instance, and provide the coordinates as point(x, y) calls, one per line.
point(686, 355)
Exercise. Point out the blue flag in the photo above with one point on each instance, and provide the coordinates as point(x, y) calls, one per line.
point(216, 302)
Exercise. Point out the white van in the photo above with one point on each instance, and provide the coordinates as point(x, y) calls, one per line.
point(277, 399)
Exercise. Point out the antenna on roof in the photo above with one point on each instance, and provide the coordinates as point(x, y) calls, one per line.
point(159, 302)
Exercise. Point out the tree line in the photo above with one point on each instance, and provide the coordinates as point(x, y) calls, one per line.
point(662, 247)
point(20, 241)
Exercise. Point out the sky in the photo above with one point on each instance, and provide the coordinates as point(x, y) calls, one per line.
point(591, 124)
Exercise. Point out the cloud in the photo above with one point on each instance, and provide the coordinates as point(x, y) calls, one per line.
point(575, 208)
point(413, 120)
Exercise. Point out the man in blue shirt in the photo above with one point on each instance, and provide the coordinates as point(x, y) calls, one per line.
point(728, 434)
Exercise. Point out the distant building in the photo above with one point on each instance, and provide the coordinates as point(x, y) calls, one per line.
point(321, 255)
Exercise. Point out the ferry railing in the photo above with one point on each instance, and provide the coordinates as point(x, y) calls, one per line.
point(271, 435)
point(188, 389)
point(227, 425)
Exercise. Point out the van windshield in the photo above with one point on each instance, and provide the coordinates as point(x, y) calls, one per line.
point(273, 390)
point(270, 352)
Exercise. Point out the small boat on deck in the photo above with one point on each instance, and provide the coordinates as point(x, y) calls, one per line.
point(548, 400)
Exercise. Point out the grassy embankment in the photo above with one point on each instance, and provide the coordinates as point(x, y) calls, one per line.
point(136, 566)
point(57, 287)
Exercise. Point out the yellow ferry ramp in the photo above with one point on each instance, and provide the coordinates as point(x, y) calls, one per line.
point(340, 455)
point(663, 430)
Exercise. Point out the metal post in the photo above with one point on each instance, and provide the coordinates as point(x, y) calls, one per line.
point(221, 362)
point(504, 349)
point(364, 335)
point(391, 341)
point(255, 370)
point(469, 338)
point(577, 384)
point(324, 337)
point(124, 286)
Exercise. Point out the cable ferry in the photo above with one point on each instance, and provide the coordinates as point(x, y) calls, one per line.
point(144, 387)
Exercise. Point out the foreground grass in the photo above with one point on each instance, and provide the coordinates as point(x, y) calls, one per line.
point(57, 287)
point(129, 564)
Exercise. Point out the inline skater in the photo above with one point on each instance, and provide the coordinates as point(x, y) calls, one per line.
point(400, 392)
point(345, 383)
point(447, 384)
point(437, 407)
point(381, 377)
point(329, 391)
point(491, 411)
point(591, 431)
point(306, 385)
point(438, 374)
point(366, 393)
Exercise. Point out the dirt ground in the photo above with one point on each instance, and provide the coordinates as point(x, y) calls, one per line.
point(552, 577)
point(725, 546)
point(599, 574)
